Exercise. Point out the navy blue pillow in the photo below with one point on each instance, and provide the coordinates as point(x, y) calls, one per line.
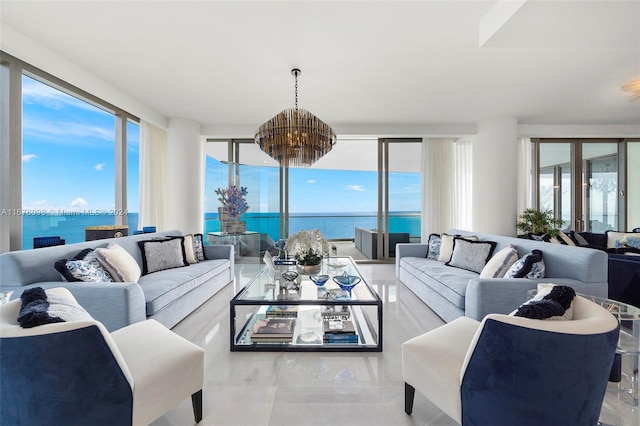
point(34, 309)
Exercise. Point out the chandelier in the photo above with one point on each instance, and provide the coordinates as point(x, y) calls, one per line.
point(295, 137)
point(634, 87)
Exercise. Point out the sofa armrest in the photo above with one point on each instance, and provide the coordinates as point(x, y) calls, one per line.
point(409, 250)
point(114, 304)
point(222, 251)
point(219, 251)
point(495, 295)
point(503, 295)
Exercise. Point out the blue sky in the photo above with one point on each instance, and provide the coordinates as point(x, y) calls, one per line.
point(69, 165)
point(68, 158)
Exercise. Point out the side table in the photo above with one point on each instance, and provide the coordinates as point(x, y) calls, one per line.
point(628, 342)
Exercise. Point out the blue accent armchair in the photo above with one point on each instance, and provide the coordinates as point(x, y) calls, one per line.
point(515, 371)
point(77, 373)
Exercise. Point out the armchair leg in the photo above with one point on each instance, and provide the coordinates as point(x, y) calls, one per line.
point(196, 401)
point(409, 393)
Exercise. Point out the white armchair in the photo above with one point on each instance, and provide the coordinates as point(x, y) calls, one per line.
point(77, 373)
point(510, 370)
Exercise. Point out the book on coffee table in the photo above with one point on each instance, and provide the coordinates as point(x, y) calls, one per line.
point(273, 330)
point(282, 311)
point(335, 312)
point(339, 327)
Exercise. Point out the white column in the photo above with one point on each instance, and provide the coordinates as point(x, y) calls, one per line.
point(494, 176)
point(185, 176)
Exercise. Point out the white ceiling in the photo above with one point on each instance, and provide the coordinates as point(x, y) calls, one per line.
point(227, 64)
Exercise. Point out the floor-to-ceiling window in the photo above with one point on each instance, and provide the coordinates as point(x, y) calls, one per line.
point(77, 159)
point(582, 182)
point(133, 174)
point(336, 194)
point(633, 184)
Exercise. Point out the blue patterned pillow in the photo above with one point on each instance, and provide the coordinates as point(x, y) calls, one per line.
point(198, 247)
point(435, 241)
point(84, 266)
point(88, 269)
point(529, 266)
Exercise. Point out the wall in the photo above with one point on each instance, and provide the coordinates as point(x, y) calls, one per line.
point(494, 176)
point(185, 176)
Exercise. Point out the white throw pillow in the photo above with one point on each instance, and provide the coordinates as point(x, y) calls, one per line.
point(119, 263)
point(189, 252)
point(500, 263)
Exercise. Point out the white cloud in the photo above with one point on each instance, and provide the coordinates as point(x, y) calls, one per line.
point(79, 202)
point(354, 188)
point(311, 181)
point(28, 157)
point(38, 93)
point(99, 166)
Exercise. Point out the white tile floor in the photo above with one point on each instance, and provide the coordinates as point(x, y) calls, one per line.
point(288, 388)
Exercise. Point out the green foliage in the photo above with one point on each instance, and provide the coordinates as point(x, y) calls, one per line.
point(536, 221)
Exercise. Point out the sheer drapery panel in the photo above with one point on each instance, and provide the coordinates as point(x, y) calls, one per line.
point(153, 176)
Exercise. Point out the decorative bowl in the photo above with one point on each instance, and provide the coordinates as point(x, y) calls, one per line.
point(319, 280)
point(346, 282)
point(289, 280)
point(290, 275)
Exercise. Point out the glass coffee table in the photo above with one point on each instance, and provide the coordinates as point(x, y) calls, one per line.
point(312, 317)
point(628, 342)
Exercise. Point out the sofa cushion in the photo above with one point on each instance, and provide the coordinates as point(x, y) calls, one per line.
point(162, 288)
point(158, 255)
point(119, 263)
point(449, 282)
point(471, 255)
point(500, 263)
point(530, 265)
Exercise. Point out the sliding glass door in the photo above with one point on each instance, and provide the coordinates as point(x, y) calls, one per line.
point(581, 182)
point(599, 187)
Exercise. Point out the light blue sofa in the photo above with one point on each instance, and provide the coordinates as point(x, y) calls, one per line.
point(452, 292)
point(167, 296)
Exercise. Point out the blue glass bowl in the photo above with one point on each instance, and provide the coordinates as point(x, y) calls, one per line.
point(319, 280)
point(346, 282)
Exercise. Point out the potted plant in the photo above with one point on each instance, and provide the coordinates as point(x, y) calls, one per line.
point(234, 203)
point(308, 248)
point(539, 222)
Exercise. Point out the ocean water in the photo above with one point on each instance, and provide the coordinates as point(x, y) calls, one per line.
point(334, 226)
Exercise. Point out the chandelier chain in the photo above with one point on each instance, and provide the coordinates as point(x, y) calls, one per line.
point(296, 77)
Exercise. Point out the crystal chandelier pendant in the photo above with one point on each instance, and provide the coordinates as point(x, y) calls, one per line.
point(295, 137)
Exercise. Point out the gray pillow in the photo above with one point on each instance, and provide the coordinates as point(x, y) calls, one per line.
point(158, 255)
point(471, 255)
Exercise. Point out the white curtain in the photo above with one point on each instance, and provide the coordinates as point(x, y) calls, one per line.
point(463, 180)
point(446, 182)
point(524, 178)
point(153, 176)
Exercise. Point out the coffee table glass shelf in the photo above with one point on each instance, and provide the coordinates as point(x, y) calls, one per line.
point(325, 318)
